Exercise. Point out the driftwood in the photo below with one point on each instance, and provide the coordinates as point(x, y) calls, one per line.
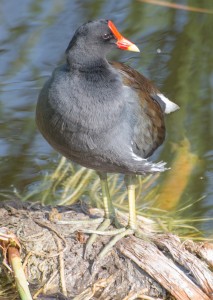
point(157, 266)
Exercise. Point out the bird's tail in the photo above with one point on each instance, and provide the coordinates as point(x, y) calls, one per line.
point(145, 167)
point(158, 167)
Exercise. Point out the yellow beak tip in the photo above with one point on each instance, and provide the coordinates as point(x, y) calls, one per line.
point(133, 48)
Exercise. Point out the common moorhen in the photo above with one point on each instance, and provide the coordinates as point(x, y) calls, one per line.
point(101, 115)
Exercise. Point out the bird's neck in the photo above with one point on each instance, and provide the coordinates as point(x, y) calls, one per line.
point(86, 62)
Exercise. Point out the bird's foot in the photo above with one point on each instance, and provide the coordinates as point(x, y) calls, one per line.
point(127, 231)
point(121, 233)
point(101, 230)
point(114, 240)
point(117, 234)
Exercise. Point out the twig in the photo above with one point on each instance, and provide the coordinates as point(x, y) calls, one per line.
point(45, 286)
point(61, 269)
point(54, 230)
point(179, 6)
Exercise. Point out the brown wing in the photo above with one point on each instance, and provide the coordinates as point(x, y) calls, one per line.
point(149, 131)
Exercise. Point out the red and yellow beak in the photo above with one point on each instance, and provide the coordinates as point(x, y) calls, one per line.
point(122, 43)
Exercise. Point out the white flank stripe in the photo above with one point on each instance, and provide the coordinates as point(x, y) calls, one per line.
point(170, 106)
point(134, 156)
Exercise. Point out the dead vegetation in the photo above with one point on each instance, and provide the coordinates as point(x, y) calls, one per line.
point(158, 266)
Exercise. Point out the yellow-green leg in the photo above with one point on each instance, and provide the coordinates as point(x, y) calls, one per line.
point(108, 206)
point(130, 183)
point(109, 212)
point(132, 224)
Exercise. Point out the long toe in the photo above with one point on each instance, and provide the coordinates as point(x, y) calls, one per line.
point(101, 230)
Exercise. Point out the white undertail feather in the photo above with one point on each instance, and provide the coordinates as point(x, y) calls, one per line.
point(136, 157)
point(152, 167)
point(158, 167)
point(170, 106)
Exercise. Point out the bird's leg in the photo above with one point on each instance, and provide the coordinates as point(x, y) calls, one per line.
point(109, 209)
point(132, 224)
point(108, 206)
point(109, 212)
point(130, 183)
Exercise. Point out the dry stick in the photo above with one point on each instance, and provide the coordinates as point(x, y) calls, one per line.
point(147, 256)
point(96, 287)
point(55, 231)
point(26, 259)
point(144, 297)
point(61, 269)
point(133, 295)
point(196, 267)
point(44, 288)
point(140, 295)
point(179, 6)
point(203, 250)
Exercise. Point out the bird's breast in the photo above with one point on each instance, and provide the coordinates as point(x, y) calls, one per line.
point(74, 113)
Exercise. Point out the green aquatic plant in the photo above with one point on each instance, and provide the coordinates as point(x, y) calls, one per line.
point(69, 183)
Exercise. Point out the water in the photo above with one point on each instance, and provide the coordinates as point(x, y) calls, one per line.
point(176, 53)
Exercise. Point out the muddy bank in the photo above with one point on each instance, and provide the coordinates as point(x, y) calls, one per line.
point(158, 265)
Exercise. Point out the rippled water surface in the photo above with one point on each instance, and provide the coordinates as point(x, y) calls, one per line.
point(176, 53)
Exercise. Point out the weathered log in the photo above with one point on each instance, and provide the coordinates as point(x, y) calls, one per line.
point(157, 266)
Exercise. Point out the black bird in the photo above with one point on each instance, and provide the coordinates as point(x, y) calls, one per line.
point(101, 115)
